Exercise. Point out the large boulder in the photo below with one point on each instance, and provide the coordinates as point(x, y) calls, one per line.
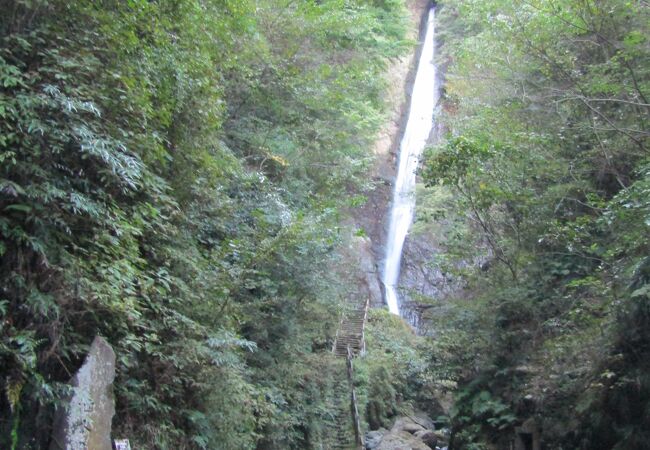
point(412, 427)
point(84, 421)
point(409, 433)
point(374, 438)
point(428, 437)
point(401, 440)
point(423, 419)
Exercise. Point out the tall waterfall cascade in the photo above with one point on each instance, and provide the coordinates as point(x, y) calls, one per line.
point(418, 128)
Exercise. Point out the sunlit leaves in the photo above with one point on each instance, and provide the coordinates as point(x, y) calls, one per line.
point(171, 178)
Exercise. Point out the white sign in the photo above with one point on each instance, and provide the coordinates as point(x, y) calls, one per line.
point(122, 444)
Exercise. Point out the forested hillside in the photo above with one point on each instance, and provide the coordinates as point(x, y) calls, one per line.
point(540, 194)
point(175, 177)
point(172, 173)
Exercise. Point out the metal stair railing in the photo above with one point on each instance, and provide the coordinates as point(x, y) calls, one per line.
point(350, 341)
point(358, 436)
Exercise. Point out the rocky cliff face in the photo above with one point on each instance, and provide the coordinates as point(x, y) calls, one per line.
point(373, 216)
point(421, 281)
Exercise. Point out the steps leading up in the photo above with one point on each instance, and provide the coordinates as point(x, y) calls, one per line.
point(339, 433)
point(351, 331)
point(349, 343)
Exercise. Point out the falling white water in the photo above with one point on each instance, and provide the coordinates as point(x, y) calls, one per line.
point(418, 128)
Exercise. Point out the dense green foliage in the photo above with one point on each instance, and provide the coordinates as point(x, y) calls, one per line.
point(542, 186)
point(172, 176)
point(390, 377)
point(167, 180)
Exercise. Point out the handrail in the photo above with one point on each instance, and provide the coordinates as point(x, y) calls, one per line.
point(363, 326)
point(358, 436)
point(336, 338)
point(349, 355)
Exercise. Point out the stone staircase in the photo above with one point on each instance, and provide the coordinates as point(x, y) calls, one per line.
point(338, 433)
point(351, 331)
point(349, 343)
point(342, 432)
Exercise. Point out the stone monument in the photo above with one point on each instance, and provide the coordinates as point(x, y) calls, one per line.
point(84, 420)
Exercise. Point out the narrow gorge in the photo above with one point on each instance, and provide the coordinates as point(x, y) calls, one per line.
point(271, 225)
point(416, 134)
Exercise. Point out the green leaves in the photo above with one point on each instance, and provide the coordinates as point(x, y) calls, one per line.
point(478, 412)
point(459, 157)
point(19, 207)
point(171, 176)
point(543, 175)
point(10, 77)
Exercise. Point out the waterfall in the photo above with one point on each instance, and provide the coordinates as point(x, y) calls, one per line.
point(416, 133)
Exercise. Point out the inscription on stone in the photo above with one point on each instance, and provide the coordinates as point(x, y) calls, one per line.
point(122, 444)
